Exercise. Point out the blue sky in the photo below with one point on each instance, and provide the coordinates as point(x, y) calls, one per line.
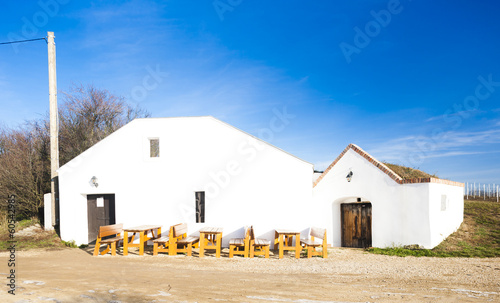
point(411, 82)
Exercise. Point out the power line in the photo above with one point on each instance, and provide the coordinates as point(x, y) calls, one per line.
point(21, 41)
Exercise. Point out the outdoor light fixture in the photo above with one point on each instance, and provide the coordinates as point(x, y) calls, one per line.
point(349, 176)
point(93, 182)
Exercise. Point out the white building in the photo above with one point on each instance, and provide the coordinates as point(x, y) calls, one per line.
point(205, 172)
point(390, 211)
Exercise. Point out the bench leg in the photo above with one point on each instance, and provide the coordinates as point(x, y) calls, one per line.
point(298, 247)
point(97, 247)
point(231, 251)
point(142, 243)
point(246, 253)
point(310, 250)
point(113, 249)
point(155, 249)
point(189, 249)
point(172, 249)
point(267, 252)
point(125, 242)
point(281, 243)
point(106, 250)
point(218, 242)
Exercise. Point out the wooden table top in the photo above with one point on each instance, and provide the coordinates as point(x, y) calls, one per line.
point(211, 230)
point(141, 228)
point(287, 231)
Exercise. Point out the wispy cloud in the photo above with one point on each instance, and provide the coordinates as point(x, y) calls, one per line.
point(449, 144)
point(464, 113)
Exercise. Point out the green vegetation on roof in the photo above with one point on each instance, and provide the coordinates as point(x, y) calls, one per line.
point(407, 172)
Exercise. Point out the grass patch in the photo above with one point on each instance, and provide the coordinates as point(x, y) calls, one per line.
point(478, 236)
point(70, 244)
point(407, 172)
point(41, 239)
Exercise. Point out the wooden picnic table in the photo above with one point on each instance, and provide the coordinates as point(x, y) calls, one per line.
point(284, 238)
point(142, 230)
point(210, 238)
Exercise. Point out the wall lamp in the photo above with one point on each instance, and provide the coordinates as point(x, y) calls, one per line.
point(93, 182)
point(349, 176)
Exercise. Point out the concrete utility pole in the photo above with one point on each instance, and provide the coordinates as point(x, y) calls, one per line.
point(54, 124)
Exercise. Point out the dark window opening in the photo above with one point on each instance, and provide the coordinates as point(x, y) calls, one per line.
point(200, 206)
point(154, 148)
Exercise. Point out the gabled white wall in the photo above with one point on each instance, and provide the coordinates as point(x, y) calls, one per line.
point(369, 184)
point(246, 180)
point(401, 214)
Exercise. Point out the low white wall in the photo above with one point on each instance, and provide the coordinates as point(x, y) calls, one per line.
point(446, 211)
point(47, 212)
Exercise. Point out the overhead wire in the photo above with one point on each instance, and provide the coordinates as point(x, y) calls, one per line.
point(21, 41)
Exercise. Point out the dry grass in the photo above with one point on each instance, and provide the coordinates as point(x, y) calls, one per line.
point(478, 236)
point(42, 239)
point(479, 231)
point(407, 172)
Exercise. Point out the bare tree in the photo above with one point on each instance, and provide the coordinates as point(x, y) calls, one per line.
point(23, 169)
point(86, 116)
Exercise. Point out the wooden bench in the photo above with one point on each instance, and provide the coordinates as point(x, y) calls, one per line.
point(311, 244)
point(106, 231)
point(177, 241)
point(258, 246)
point(240, 246)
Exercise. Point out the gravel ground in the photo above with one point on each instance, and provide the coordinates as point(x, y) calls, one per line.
point(348, 275)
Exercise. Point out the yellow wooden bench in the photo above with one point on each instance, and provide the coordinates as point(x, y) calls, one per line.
point(111, 243)
point(177, 241)
point(240, 246)
point(311, 244)
point(258, 246)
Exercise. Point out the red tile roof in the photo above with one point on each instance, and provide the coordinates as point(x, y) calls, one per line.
point(384, 168)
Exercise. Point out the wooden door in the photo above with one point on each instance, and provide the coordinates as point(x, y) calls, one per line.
point(100, 212)
point(356, 220)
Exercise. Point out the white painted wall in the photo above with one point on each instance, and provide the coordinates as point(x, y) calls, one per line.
point(47, 212)
point(247, 181)
point(401, 214)
point(446, 211)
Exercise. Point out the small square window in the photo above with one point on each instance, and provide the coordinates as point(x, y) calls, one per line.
point(154, 148)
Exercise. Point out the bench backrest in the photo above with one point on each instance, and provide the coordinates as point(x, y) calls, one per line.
point(110, 230)
point(179, 230)
point(247, 232)
point(318, 232)
point(251, 233)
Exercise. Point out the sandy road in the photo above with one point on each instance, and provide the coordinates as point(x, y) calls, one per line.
point(73, 275)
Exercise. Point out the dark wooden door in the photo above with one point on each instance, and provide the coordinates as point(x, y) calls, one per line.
point(356, 223)
point(100, 212)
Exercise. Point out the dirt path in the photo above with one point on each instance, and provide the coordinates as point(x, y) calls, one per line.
point(73, 275)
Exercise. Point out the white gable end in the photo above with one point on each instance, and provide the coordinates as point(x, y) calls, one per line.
point(245, 180)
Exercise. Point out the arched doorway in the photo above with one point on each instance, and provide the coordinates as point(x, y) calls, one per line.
point(356, 224)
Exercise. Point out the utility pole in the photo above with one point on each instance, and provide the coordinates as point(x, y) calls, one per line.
point(54, 125)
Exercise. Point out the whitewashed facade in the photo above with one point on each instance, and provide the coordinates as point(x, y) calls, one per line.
point(246, 182)
point(404, 212)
